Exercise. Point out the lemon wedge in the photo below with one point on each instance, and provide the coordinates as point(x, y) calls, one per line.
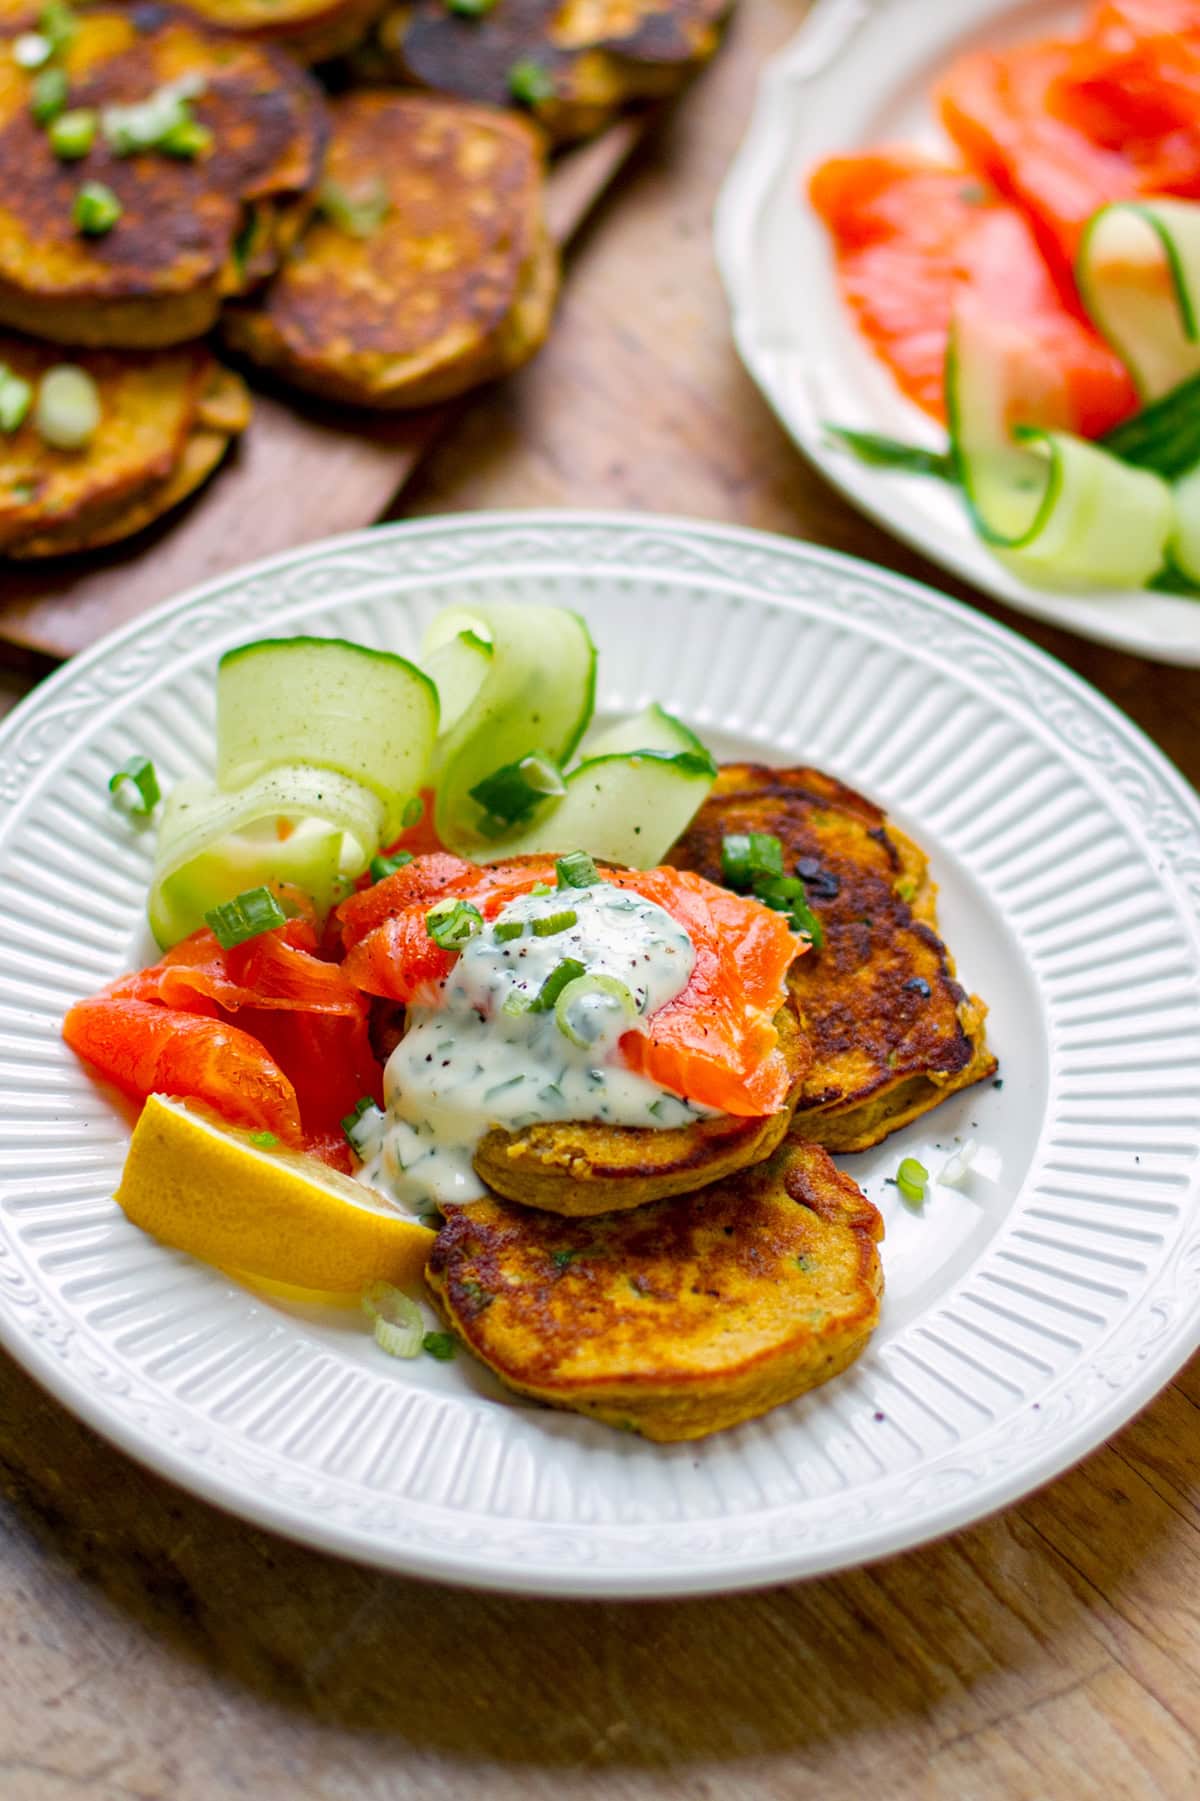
point(206, 1188)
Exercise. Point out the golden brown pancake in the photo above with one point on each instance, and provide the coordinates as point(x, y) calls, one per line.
point(192, 231)
point(596, 55)
point(447, 281)
point(580, 1168)
point(311, 30)
point(167, 418)
point(680, 1319)
point(892, 1032)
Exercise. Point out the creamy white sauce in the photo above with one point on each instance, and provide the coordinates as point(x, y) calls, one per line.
point(469, 1063)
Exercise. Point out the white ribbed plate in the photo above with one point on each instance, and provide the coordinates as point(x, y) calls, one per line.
point(858, 74)
point(1025, 1318)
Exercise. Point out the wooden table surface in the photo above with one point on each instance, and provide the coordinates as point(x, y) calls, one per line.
point(151, 1647)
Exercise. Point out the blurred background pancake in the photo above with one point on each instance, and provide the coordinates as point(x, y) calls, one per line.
point(192, 229)
point(682, 1318)
point(426, 270)
point(311, 30)
point(892, 1032)
point(166, 419)
point(574, 65)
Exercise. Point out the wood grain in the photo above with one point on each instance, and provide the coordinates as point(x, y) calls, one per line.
point(151, 1647)
point(302, 471)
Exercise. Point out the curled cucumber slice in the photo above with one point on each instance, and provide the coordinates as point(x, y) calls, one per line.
point(366, 715)
point(1138, 273)
point(626, 808)
point(1057, 510)
point(651, 729)
point(536, 694)
point(297, 825)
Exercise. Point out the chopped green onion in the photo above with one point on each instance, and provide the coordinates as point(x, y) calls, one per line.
point(780, 892)
point(880, 452)
point(656, 1107)
point(48, 95)
point(97, 209)
point(413, 814)
point(560, 1259)
point(58, 25)
point(73, 134)
point(569, 970)
point(244, 917)
point(554, 923)
point(352, 1122)
point(359, 213)
point(187, 139)
point(911, 1178)
point(541, 888)
point(502, 1087)
point(582, 1002)
point(395, 1319)
point(140, 773)
point(530, 82)
point(511, 793)
point(957, 1166)
point(67, 413)
point(452, 923)
point(440, 1345)
point(805, 921)
point(471, 9)
point(745, 856)
point(577, 870)
point(265, 1141)
point(31, 50)
point(505, 930)
point(16, 397)
point(382, 867)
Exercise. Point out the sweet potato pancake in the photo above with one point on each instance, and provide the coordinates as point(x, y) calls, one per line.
point(574, 65)
point(678, 1320)
point(891, 1031)
point(310, 29)
point(429, 269)
point(191, 229)
point(166, 419)
point(580, 1168)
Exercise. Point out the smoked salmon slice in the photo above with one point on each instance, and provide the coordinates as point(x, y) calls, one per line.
point(915, 239)
point(716, 1043)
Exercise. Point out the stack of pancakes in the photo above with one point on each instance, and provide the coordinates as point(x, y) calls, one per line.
point(385, 249)
point(677, 1282)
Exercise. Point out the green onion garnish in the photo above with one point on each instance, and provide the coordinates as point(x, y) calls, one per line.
point(264, 1140)
point(582, 1003)
point(31, 50)
point(162, 122)
point(413, 814)
point(140, 773)
point(779, 892)
point(576, 870)
point(186, 139)
point(382, 867)
point(73, 134)
point(244, 917)
point(745, 856)
point(511, 793)
point(530, 81)
point(96, 210)
point(48, 95)
point(880, 452)
point(805, 921)
point(16, 397)
point(352, 1122)
point(471, 9)
point(505, 930)
point(911, 1178)
point(440, 1345)
point(452, 923)
point(67, 412)
point(554, 923)
point(569, 970)
point(359, 213)
point(395, 1319)
point(58, 25)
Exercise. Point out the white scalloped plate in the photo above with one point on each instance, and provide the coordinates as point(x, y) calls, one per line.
point(857, 74)
point(1025, 1319)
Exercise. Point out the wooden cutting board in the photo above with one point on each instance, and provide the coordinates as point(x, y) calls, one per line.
point(303, 470)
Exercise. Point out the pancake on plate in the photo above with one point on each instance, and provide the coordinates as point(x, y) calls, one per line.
point(192, 229)
point(892, 1033)
point(166, 420)
point(573, 65)
point(428, 268)
point(580, 1168)
point(681, 1319)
